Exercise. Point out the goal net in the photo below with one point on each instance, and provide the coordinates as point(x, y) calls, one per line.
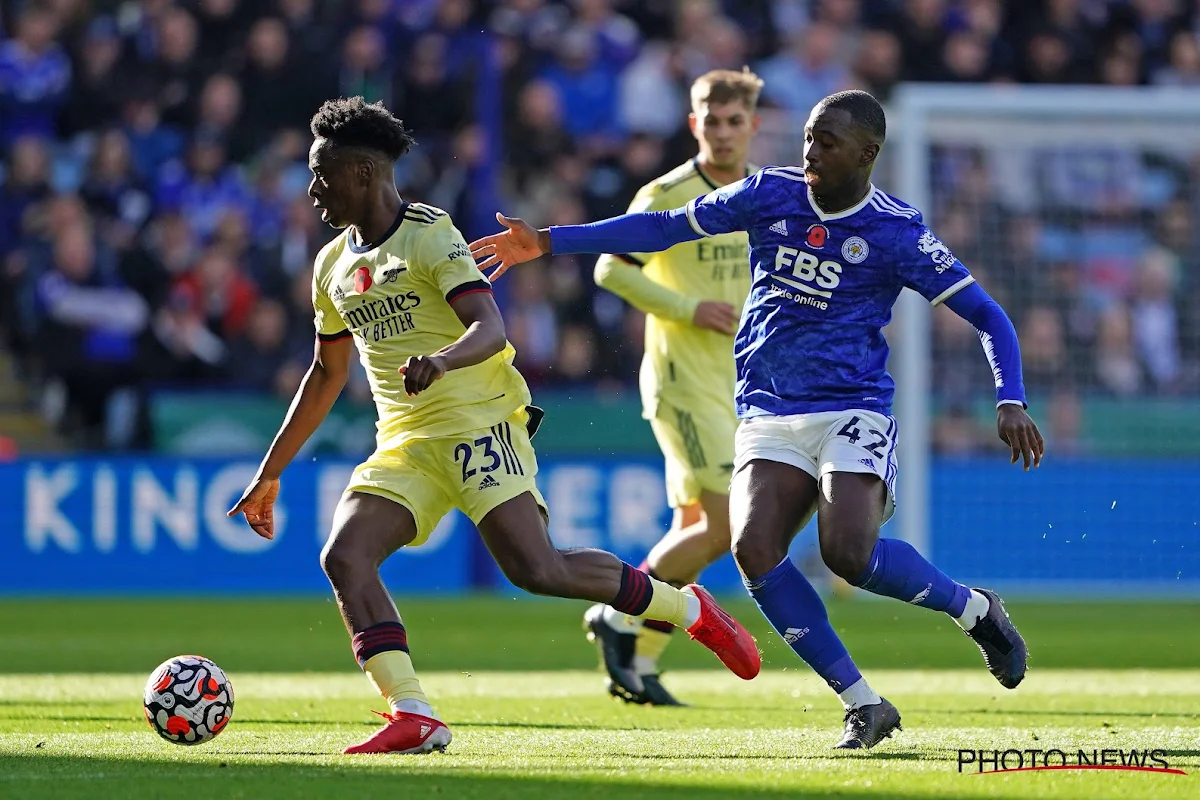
point(1077, 209)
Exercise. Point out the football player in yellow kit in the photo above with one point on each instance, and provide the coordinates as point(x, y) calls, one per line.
point(692, 295)
point(454, 426)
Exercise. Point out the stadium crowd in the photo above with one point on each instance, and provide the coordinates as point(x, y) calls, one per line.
point(154, 229)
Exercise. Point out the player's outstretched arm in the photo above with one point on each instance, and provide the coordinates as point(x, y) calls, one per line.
point(316, 395)
point(999, 339)
point(646, 232)
point(483, 338)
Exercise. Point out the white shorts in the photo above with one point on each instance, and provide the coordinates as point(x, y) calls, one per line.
point(825, 442)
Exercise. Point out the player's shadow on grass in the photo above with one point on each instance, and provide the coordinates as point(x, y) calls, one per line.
point(61, 777)
point(549, 726)
point(68, 718)
point(832, 754)
point(1033, 712)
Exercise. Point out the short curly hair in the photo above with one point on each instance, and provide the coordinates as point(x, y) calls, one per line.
point(353, 122)
point(864, 110)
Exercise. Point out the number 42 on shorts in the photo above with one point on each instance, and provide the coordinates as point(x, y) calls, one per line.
point(853, 434)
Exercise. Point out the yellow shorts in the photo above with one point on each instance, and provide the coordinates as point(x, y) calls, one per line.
point(473, 471)
point(697, 444)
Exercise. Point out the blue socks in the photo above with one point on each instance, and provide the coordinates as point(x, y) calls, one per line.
point(794, 609)
point(897, 570)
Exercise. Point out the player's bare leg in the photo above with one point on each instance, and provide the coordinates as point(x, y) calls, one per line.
point(699, 538)
point(631, 647)
point(515, 533)
point(849, 518)
point(366, 530)
point(770, 503)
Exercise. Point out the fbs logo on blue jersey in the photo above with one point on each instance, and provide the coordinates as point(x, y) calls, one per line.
point(813, 279)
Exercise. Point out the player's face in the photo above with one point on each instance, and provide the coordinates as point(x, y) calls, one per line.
point(334, 188)
point(723, 131)
point(833, 149)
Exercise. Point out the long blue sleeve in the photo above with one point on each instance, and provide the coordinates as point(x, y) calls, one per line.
point(647, 232)
point(999, 339)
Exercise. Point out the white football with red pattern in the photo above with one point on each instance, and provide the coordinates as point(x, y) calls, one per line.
point(188, 700)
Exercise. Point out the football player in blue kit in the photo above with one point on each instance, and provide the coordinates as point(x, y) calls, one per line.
point(830, 254)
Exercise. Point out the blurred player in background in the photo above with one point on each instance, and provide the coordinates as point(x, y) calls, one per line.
point(830, 255)
point(454, 428)
point(692, 295)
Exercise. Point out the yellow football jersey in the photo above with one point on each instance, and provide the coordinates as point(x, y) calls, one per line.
point(394, 297)
point(681, 362)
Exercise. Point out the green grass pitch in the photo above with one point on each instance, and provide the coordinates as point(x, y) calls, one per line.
point(518, 685)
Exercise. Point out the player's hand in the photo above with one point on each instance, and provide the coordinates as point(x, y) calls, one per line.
point(716, 316)
point(1019, 432)
point(258, 504)
point(520, 243)
point(420, 372)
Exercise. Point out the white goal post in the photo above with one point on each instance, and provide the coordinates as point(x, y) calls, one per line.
point(1005, 119)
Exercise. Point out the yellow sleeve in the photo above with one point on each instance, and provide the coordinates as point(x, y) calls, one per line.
point(445, 261)
point(328, 322)
point(622, 274)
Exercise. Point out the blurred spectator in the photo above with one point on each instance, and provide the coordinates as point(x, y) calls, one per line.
point(312, 38)
point(280, 87)
point(922, 30)
point(576, 358)
point(957, 433)
point(35, 75)
point(586, 86)
point(177, 71)
point(651, 94)
point(809, 70)
point(428, 99)
point(365, 70)
point(88, 334)
point(1064, 424)
point(967, 59)
point(95, 101)
point(263, 349)
point(205, 188)
point(878, 63)
point(536, 137)
point(152, 142)
point(1183, 64)
point(217, 293)
point(116, 196)
point(531, 325)
point(1117, 368)
point(1043, 349)
point(27, 182)
point(1154, 320)
point(220, 107)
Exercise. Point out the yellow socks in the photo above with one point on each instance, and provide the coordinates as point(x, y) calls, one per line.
point(643, 596)
point(393, 675)
point(382, 652)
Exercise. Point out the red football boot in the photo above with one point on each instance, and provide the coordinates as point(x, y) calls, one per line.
point(725, 636)
point(405, 733)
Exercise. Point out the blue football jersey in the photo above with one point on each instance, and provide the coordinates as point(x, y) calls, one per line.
point(823, 288)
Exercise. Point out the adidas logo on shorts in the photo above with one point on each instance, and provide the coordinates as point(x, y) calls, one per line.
point(780, 227)
point(488, 482)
